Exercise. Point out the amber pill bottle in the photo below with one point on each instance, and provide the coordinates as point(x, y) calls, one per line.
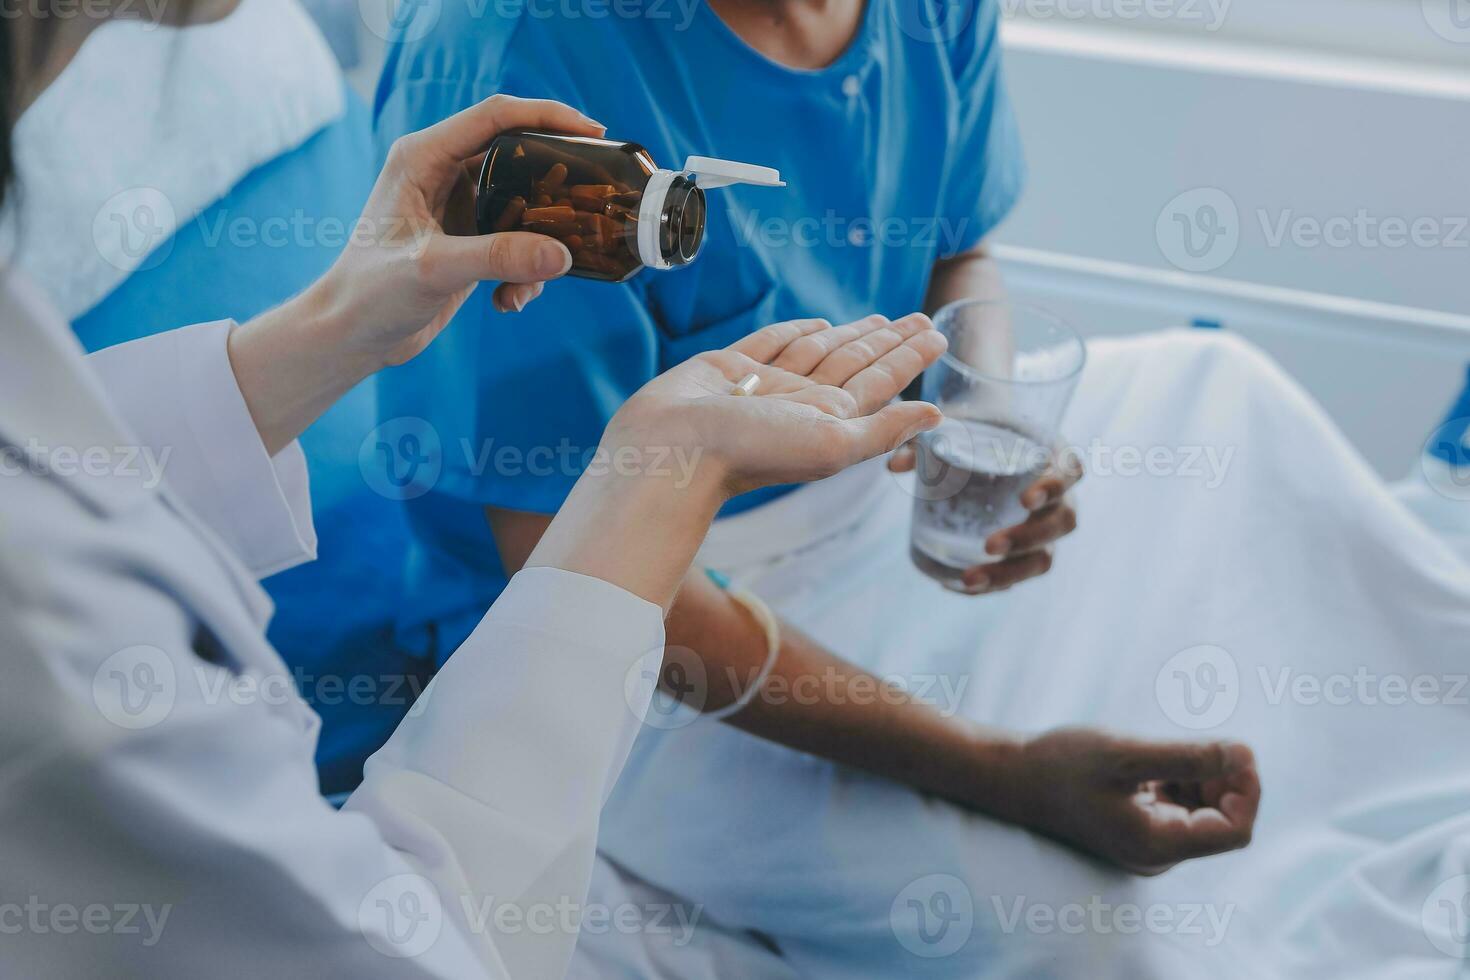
point(616, 211)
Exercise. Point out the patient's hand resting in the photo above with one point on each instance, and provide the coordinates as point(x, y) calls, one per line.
point(1023, 551)
point(1145, 806)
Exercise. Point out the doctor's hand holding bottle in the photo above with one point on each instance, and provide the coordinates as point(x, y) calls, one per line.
point(409, 265)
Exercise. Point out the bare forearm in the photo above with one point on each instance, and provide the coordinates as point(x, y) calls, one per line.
point(816, 702)
point(971, 275)
point(293, 363)
point(638, 532)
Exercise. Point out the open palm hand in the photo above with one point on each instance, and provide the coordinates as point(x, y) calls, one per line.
point(824, 400)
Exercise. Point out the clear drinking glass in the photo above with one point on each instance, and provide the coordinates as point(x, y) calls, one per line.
point(1003, 386)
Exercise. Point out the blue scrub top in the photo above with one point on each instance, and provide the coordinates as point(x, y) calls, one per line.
point(902, 151)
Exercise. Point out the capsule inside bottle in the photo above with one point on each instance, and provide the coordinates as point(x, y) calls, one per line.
point(589, 194)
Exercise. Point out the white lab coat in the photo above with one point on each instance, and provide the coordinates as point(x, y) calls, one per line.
point(159, 813)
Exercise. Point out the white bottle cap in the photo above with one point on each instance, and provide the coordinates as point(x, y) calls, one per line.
point(708, 173)
point(713, 172)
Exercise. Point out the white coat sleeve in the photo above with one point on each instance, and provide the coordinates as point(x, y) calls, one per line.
point(507, 768)
point(177, 392)
point(166, 822)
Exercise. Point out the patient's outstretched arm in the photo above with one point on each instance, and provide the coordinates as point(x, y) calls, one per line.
point(1142, 806)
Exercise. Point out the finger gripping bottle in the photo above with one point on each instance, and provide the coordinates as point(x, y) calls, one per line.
point(614, 209)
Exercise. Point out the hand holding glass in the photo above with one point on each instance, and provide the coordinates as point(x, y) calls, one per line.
point(1003, 386)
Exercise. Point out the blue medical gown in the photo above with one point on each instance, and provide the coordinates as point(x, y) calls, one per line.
point(275, 232)
point(902, 151)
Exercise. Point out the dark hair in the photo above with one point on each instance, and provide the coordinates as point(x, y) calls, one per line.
point(7, 103)
point(39, 45)
point(9, 94)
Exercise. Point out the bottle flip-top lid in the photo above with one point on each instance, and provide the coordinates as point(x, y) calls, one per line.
point(699, 174)
point(713, 172)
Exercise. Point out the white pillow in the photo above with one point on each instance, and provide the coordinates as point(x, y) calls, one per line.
point(147, 128)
